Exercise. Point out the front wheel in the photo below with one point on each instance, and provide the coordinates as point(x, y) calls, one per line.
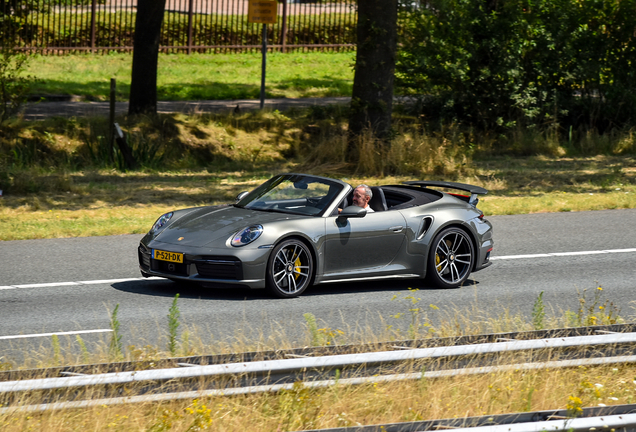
point(289, 269)
point(450, 258)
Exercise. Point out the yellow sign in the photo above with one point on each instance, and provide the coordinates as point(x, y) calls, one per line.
point(262, 11)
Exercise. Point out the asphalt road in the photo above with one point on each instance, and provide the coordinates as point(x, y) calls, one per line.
point(40, 293)
point(70, 108)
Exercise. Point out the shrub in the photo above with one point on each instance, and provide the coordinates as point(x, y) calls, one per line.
point(14, 85)
point(497, 65)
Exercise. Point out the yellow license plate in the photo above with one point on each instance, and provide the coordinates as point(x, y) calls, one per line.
point(167, 256)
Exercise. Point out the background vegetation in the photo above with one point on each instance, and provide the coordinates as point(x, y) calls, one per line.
point(563, 65)
point(532, 100)
point(337, 405)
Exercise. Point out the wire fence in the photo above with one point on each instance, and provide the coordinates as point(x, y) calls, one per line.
point(60, 26)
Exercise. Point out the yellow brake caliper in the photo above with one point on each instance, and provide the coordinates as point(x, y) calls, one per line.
point(297, 268)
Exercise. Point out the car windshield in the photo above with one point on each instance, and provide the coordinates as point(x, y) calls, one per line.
point(293, 193)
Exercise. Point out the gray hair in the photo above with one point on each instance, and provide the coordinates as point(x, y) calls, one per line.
point(367, 190)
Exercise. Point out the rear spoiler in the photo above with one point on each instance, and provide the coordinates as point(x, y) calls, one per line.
point(474, 190)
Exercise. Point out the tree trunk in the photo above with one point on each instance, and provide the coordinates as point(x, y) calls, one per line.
point(372, 98)
point(143, 86)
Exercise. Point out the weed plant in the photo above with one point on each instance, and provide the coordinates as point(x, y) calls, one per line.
point(538, 313)
point(173, 326)
point(115, 346)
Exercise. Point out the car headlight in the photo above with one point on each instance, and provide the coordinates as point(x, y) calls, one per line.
point(163, 219)
point(246, 236)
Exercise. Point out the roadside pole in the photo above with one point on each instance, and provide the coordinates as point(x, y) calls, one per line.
point(111, 123)
point(263, 64)
point(262, 12)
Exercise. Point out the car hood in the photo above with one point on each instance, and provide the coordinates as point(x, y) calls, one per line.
point(213, 225)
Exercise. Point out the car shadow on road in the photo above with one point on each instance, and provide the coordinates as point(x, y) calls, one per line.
point(166, 288)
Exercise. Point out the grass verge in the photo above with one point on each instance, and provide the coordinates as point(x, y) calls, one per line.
point(60, 178)
point(339, 405)
point(198, 76)
point(112, 203)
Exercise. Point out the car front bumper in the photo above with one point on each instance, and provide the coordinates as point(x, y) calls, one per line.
point(208, 267)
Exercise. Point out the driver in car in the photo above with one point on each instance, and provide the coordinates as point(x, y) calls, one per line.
point(361, 197)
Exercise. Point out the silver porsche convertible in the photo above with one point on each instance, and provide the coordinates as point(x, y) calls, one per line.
point(296, 230)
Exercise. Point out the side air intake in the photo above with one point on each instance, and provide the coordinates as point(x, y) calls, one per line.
point(426, 223)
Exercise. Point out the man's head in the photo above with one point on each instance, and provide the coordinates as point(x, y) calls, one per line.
point(362, 195)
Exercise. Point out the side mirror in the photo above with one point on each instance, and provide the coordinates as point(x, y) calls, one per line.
point(241, 196)
point(353, 212)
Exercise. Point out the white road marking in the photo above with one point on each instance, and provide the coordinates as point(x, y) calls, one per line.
point(561, 254)
point(56, 333)
point(80, 283)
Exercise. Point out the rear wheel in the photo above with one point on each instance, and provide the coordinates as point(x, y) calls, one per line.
point(289, 269)
point(450, 259)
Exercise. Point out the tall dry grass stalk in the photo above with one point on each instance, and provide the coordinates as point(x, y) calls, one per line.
point(409, 152)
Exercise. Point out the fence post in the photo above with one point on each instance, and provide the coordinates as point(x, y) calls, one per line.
point(190, 16)
point(283, 31)
point(263, 63)
point(111, 123)
point(93, 24)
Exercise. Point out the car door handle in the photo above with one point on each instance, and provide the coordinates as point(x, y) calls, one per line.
point(397, 228)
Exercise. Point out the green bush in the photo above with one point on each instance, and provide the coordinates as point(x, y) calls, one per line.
point(501, 64)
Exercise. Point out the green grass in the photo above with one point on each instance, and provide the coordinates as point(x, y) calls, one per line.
point(198, 76)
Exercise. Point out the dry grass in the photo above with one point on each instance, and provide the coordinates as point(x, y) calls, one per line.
point(340, 405)
point(110, 203)
point(57, 180)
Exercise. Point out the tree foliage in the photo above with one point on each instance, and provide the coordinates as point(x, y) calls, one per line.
point(496, 64)
point(14, 27)
point(14, 84)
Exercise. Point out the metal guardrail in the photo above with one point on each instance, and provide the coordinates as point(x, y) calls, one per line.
point(162, 363)
point(298, 366)
point(280, 374)
point(614, 418)
point(272, 388)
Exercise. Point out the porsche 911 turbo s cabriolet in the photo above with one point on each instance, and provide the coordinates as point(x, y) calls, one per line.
point(297, 230)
